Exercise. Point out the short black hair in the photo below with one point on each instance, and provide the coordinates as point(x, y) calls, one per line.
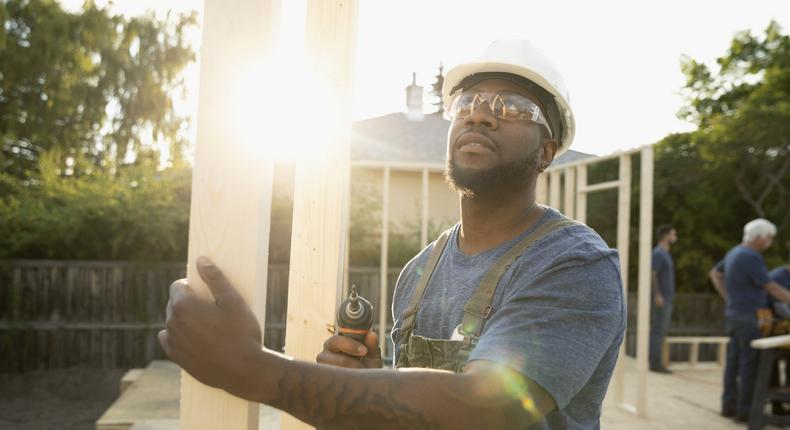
point(663, 230)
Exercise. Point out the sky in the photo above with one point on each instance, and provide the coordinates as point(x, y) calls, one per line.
point(620, 59)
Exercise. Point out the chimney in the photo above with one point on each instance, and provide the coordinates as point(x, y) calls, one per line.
point(414, 100)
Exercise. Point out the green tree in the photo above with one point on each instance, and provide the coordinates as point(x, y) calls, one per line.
point(743, 113)
point(736, 166)
point(137, 212)
point(86, 101)
point(93, 85)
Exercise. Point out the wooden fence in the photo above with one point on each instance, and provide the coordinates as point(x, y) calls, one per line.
point(57, 314)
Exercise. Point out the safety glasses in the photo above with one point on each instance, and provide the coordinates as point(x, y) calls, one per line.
point(506, 106)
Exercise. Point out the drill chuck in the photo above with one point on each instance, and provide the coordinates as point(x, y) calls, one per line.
point(355, 316)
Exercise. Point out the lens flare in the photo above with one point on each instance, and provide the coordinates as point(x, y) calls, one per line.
point(516, 388)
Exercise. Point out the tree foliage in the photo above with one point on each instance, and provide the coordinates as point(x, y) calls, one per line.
point(137, 212)
point(736, 166)
point(86, 103)
point(97, 87)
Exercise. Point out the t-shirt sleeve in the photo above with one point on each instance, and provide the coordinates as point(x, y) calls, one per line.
point(781, 277)
point(658, 261)
point(754, 267)
point(720, 266)
point(557, 329)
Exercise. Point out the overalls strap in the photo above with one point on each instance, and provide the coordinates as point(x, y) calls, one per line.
point(478, 308)
point(410, 315)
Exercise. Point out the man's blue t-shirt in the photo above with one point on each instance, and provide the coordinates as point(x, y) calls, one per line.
point(665, 270)
point(558, 314)
point(781, 275)
point(745, 276)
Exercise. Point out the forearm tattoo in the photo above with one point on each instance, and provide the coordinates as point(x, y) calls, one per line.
point(343, 399)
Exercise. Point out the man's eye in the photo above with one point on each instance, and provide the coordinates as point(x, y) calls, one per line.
point(510, 111)
point(463, 109)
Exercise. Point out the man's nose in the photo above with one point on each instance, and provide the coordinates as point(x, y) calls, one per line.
point(482, 115)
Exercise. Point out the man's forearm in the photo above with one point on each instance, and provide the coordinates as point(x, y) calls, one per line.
point(656, 290)
point(332, 397)
point(718, 283)
point(778, 292)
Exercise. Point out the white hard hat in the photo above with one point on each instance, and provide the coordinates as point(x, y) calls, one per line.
point(520, 58)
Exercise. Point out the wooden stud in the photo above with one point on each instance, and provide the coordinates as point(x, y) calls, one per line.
point(665, 354)
point(601, 186)
point(554, 189)
point(541, 190)
point(347, 259)
point(722, 357)
point(321, 184)
point(425, 206)
point(694, 354)
point(384, 266)
point(581, 198)
point(645, 248)
point(623, 244)
point(570, 195)
point(231, 188)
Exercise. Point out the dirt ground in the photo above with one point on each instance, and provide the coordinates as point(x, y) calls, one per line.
point(68, 399)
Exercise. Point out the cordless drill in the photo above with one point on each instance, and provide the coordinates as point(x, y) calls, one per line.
point(355, 316)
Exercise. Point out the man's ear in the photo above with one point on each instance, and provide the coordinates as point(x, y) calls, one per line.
point(548, 151)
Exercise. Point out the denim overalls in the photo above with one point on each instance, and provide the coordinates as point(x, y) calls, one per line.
point(448, 354)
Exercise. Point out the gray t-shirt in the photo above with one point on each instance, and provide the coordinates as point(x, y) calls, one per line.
point(558, 314)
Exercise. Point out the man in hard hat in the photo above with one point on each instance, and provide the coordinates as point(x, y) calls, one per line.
point(511, 319)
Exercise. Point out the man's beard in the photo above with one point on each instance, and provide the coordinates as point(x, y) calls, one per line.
point(514, 175)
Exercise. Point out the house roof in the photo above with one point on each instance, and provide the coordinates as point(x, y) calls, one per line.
point(397, 139)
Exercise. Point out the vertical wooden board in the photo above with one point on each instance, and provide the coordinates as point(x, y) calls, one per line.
point(570, 194)
point(623, 241)
point(541, 190)
point(347, 255)
point(554, 189)
point(581, 196)
point(384, 255)
point(645, 247)
point(425, 206)
point(231, 185)
point(321, 188)
point(16, 294)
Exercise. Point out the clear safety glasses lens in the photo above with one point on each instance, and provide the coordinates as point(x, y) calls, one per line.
point(507, 106)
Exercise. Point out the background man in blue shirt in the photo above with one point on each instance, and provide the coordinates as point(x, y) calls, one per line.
point(781, 275)
point(663, 293)
point(742, 280)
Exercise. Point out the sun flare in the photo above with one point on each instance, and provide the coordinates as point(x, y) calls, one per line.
point(280, 106)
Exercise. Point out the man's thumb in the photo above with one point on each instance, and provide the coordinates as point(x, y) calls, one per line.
point(216, 281)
